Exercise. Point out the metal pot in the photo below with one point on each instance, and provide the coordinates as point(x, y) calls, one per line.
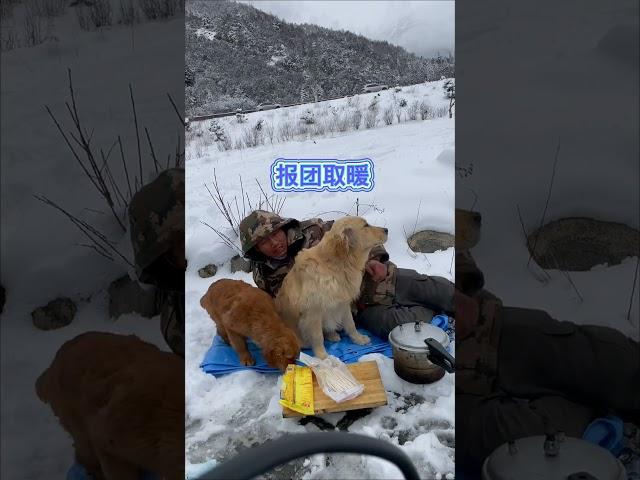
point(419, 352)
point(552, 457)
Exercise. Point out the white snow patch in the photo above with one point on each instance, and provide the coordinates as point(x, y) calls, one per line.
point(414, 189)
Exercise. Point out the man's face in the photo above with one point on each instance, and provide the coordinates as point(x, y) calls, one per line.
point(274, 246)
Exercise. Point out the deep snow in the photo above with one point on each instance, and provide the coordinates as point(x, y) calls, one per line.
point(414, 168)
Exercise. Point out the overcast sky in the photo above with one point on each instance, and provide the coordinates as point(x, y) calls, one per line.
point(422, 27)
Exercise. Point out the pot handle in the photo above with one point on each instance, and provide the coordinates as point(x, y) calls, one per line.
point(439, 356)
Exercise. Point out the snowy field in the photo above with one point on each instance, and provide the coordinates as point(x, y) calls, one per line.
point(40, 256)
point(597, 172)
point(414, 170)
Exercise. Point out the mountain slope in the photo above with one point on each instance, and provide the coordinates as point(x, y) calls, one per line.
point(238, 56)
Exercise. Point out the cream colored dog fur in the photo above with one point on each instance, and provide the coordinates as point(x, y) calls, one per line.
point(316, 295)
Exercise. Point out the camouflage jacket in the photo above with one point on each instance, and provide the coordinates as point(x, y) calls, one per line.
point(268, 273)
point(477, 354)
point(156, 221)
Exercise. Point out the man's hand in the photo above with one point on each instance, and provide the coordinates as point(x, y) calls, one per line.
point(376, 269)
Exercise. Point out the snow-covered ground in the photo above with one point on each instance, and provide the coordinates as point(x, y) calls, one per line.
point(40, 256)
point(598, 170)
point(414, 171)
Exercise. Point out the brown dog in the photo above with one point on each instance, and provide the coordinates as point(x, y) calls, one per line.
point(316, 295)
point(242, 311)
point(122, 402)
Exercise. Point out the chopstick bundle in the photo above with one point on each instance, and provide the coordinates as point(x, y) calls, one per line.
point(334, 377)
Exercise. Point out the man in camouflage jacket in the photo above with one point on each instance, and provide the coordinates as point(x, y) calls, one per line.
point(389, 295)
point(156, 217)
point(519, 372)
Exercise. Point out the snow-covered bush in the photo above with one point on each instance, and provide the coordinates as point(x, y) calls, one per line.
point(343, 122)
point(269, 132)
point(356, 119)
point(47, 8)
point(129, 14)
point(402, 103)
point(217, 131)
point(95, 15)
point(412, 111)
point(426, 111)
point(308, 118)
point(252, 137)
point(371, 118)
point(285, 131)
point(34, 27)
point(387, 115)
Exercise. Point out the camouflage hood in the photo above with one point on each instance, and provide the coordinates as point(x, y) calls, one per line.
point(258, 225)
point(156, 218)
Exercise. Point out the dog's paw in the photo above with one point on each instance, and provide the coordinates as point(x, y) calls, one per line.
point(247, 361)
point(321, 354)
point(361, 339)
point(332, 337)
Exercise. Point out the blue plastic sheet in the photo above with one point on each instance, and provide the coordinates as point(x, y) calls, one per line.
point(222, 359)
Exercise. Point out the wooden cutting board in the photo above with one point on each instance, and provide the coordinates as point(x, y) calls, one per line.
point(374, 394)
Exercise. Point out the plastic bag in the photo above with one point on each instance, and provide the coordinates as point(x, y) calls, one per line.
point(334, 377)
point(296, 392)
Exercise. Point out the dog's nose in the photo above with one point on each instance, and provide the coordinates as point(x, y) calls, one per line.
point(385, 230)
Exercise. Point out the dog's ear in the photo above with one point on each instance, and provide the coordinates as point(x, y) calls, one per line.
point(349, 236)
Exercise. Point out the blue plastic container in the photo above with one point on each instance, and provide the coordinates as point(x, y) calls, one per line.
point(607, 432)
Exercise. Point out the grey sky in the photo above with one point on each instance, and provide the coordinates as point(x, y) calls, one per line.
point(422, 27)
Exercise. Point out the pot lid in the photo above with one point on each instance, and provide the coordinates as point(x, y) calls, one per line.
point(571, 458)
point(413, 335)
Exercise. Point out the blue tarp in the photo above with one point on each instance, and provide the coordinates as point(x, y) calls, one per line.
point(221, 358)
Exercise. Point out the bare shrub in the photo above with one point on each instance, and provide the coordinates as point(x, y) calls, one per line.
point(82, 15)
point(48, 8)
point(353, 101)
point(371, 118)
point(10, 39)
point(285, 131)
point(426, 110)
point(129, 14)
point(100, 13)
point(301, 129)
point(270, 132)
point(355, 119)
point(331, 124)
point(308, 118)
point(441, 111)
point(95, 15)
point(252, 137)
point(387, 115)
point(160, 9)
point(343, 123)
point(412, 111)
point(34, 26)
point(398, 113)
point(225, 144)
point(320, 128)
point(238, 144)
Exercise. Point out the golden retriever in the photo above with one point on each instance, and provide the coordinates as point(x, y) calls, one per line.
point(315, 296)
point(122, 401)
point(241, 311)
